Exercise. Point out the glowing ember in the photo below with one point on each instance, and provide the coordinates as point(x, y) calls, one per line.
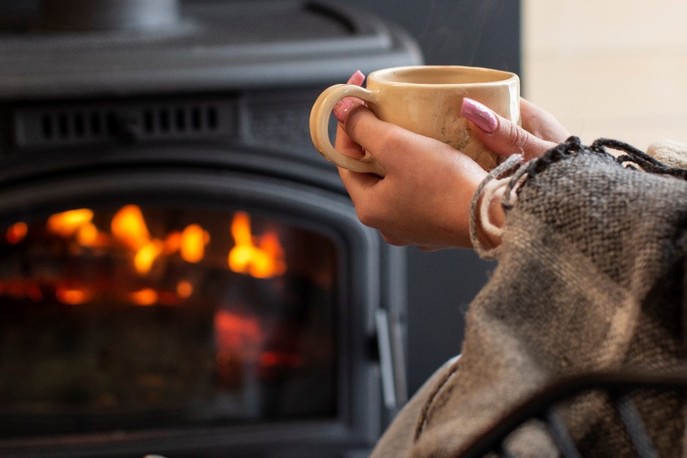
point(21, 290)
point(184, 289)
point(73, 296)
point(270, 359)
point(235, 332)
point(144, 297)
point(260, 257)
point(237, 338)
point(16, 233)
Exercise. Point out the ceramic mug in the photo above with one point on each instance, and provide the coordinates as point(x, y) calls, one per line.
point(424, 99)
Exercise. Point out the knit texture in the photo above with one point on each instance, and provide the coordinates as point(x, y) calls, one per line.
point(590, 277)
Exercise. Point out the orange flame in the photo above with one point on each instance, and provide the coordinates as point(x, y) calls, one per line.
point(129, 227)
point(260, 257)
point(192, 244)
point(146, 256)
point(68, 223)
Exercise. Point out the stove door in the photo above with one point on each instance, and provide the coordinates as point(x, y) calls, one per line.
point(154, 300)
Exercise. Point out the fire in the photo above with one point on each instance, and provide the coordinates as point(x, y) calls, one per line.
point(16, 232)
point(238, 338)
point(184, 289)
point(144, 297)
point(129, 237)
point(68, 223)
point(76, 223)
point(88, 235)
point(192, 243)
point(129, 227)
point(146, 256)
point(260, 257)
point(73, 296)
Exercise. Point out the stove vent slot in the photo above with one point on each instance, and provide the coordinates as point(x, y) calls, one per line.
point(180, 120)
point(82, 125)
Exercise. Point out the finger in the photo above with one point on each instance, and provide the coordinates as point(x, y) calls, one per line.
point(541, 123)
point(346, 145)
point(361, 133)
point(345, 105)
point(377, 137)
point(340, 111)
point(501, 135)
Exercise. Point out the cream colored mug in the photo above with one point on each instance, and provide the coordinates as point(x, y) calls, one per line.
point(426, 100)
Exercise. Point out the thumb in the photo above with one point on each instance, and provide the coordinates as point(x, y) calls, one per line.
point(502, 135)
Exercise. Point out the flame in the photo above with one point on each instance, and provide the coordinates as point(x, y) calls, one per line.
point(146, 256)
point(16, 232)
point(88, 235)
point(260, 257)
point(68, 223)
point(129, 227)
point(172, 243)
point(192, 243)
point(144, 297)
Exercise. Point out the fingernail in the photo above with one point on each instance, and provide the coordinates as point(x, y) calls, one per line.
point(342, 107)
point(480, 115)
point(356, 78)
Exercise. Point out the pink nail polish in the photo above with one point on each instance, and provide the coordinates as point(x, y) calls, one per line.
point(342, 108)
point(480, 115)
point(356, 78)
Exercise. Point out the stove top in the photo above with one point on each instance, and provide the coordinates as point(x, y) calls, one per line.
point(213, 45)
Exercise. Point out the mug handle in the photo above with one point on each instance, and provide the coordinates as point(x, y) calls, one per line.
point(319, 128)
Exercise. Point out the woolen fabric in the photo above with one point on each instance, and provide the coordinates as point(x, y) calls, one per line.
point(590, 277)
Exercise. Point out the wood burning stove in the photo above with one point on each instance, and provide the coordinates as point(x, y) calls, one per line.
point(180, 272)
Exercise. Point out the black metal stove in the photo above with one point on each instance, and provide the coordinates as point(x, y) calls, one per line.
point(180, 272)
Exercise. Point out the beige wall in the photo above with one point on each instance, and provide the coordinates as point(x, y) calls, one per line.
point(612, 68)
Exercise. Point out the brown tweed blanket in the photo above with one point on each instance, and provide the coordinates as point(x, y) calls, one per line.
point(590, 277)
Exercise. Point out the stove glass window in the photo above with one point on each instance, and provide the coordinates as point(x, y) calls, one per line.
point(130, 315)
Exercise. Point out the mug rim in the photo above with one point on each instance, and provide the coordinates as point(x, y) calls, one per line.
point(382, 75)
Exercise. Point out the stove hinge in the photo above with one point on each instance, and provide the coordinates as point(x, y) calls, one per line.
point(391, 359)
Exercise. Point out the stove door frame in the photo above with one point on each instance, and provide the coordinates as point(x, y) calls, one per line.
point(371, 266)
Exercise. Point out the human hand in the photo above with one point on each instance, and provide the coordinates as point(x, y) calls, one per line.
point(425, 197)
point(539, 133)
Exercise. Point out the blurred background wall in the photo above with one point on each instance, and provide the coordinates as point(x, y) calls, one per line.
point(616, 68)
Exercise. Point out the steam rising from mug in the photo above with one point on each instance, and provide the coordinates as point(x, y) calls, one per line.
point(425, 100)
